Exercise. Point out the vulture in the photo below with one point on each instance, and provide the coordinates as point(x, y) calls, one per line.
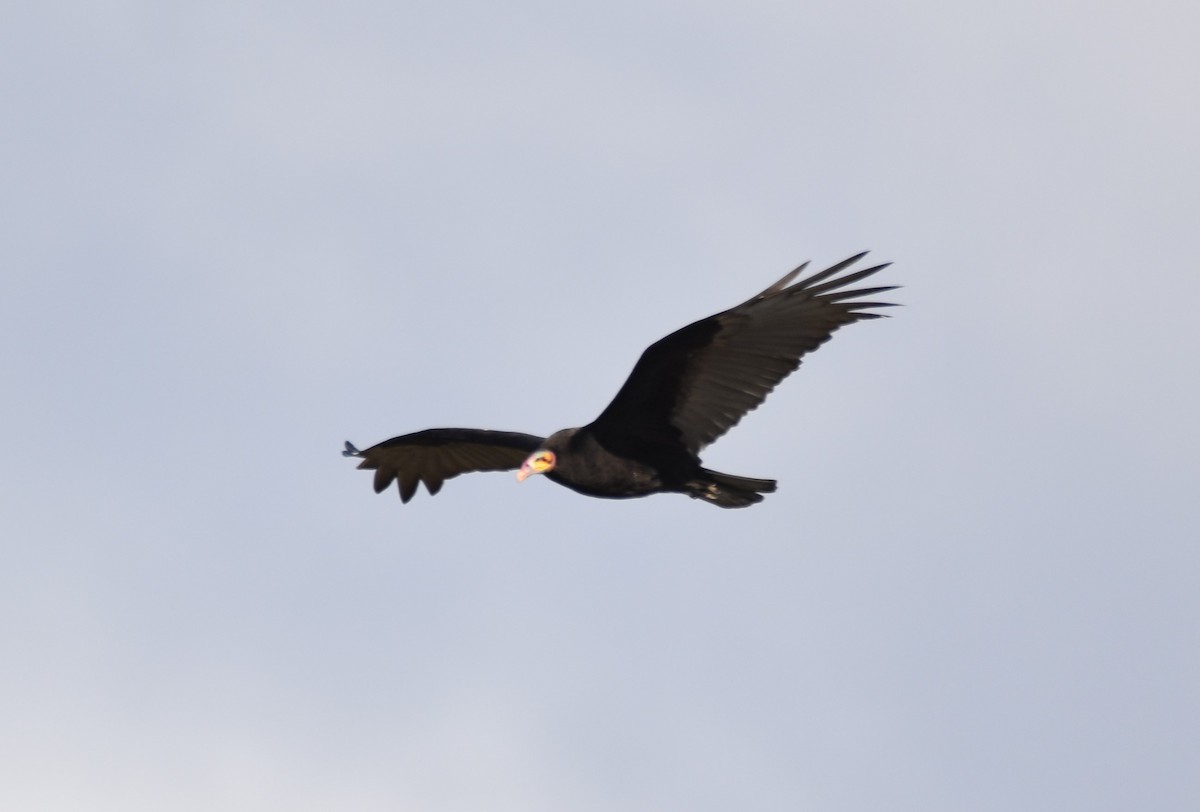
point(685, 391)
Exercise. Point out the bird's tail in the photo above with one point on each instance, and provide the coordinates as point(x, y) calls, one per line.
point(728, 491)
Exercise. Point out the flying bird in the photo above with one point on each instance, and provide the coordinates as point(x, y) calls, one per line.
point(686, 390)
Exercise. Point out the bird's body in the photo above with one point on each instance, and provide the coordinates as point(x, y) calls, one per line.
point(587, 467)
point(686, 391)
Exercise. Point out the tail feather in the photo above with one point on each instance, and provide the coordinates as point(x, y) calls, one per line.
point(729, 491)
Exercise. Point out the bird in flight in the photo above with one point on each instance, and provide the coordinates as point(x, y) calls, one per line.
point(686, 390)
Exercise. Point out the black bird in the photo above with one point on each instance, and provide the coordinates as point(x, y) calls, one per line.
point(686, 391)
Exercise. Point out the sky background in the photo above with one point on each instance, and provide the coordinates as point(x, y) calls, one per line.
point(234, 235)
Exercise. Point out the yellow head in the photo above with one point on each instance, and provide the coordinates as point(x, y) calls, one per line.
point(538, 463)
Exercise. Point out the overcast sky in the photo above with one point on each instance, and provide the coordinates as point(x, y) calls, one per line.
point(233, 235)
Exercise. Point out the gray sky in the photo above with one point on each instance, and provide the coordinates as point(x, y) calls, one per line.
point(234, 235)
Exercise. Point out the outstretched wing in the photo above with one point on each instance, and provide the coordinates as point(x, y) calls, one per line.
point(697, 383)
point(435, 455)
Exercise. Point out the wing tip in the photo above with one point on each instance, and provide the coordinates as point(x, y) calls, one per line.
point(350, 450)
point(860, 313)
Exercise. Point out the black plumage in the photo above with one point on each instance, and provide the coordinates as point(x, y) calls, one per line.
point(685, 391)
